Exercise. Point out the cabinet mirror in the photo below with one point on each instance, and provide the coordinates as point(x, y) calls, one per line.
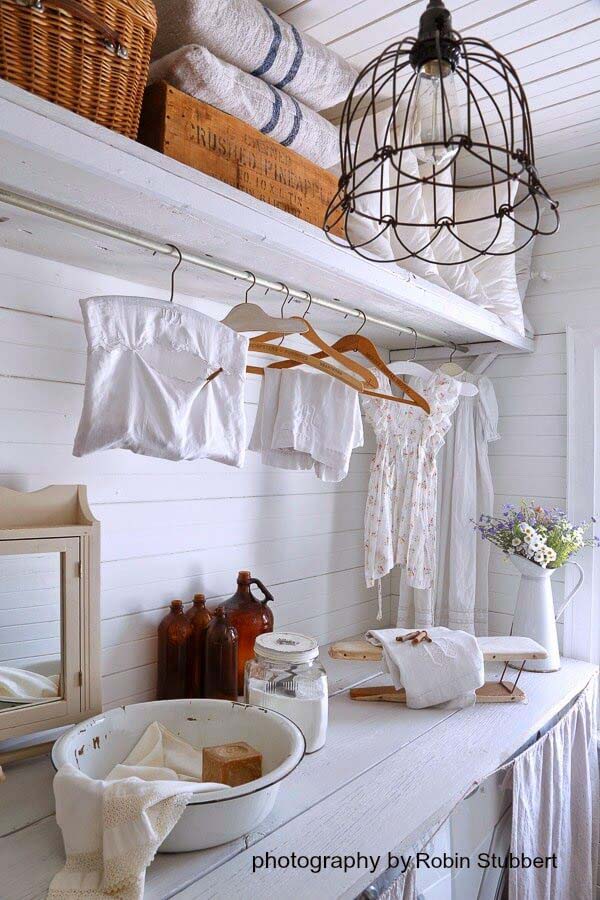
point(49, 611)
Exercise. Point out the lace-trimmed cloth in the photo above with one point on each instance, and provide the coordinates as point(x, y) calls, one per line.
point(162, 380)
point(111, 831)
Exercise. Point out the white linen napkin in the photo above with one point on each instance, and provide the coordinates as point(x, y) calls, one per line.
point(25, 685)
point(113, 828)
point(448, 670)
point(160, 754)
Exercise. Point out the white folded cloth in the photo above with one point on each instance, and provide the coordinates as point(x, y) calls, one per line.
point(113, 828)
point(251, 37)
point(21, 684)
point(160, 751)
point(448, 670)
point(197, 72)
point(307, 420)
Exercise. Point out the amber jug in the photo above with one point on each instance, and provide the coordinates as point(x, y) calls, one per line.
point(250, 617)
point(173, 635)
point(199, 618)
point(220, 658)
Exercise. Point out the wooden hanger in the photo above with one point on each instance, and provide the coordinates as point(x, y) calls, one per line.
point(248, 316)
point(300, 359)
point(358, 343)
point(367, 378)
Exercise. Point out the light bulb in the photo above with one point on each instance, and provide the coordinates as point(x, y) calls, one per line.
point(435, 114)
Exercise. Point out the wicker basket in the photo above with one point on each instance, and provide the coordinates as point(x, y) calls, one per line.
point(91, 56)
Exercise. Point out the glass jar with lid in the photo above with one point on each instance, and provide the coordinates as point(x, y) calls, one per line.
point(287, 676)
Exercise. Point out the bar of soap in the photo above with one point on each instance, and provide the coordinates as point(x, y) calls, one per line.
point(231, 764)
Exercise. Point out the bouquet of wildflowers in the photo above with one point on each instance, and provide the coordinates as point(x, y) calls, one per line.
point(545, 536)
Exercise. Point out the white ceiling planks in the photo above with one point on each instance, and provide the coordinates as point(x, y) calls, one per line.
point(553, 44)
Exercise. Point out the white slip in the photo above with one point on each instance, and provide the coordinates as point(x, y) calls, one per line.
point(197, 72)
point(448, 670)
point(307, 420)
point(148, 384)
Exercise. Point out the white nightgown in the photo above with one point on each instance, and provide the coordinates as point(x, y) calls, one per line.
point(400, 515)
point(459, 595)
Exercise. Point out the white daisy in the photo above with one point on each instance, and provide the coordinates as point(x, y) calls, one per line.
point(516, 542)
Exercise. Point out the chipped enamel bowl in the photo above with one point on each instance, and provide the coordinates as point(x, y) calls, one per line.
point(97, 745)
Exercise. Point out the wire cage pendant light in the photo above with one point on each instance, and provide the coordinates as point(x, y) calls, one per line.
point(436, 146)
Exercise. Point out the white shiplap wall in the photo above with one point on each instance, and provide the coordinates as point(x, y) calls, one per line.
point(529, 461)
point(168, 529)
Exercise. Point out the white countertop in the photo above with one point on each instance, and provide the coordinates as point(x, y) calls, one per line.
point(384, 772)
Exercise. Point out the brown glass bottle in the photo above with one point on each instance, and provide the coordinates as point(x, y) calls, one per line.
point(221, 658)
point(199, 617)
point(173, 634)
point(250, 617)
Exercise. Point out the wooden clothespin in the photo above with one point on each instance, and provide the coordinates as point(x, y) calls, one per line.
point(415, 637)
point(407, 637)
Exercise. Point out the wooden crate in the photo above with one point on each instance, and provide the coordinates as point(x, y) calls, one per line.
point(220, 145)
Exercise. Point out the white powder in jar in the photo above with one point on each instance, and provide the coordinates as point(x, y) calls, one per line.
point(308, 713)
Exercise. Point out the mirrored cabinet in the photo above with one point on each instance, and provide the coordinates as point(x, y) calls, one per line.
point(49, 610)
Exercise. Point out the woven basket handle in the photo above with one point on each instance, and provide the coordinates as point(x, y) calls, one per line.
point(109, 38)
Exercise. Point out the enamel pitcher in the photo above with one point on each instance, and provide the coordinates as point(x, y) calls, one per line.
point(535, 616)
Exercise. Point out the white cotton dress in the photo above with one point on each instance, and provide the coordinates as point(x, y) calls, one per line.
point(400, 515)
point(459, 595)
point(162, 380)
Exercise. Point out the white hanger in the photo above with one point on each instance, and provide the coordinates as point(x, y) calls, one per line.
point(248, 316)
point(410, 367)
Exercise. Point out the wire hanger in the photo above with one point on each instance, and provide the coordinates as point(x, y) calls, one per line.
point(452, 368)
point(177, 264)
point(410, 367)
point(367, 379)
point(249, 316)
point(358, 343)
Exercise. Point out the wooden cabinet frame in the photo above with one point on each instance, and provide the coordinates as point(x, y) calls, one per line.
point(58, 519)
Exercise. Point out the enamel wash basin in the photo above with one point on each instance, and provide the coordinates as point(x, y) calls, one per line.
point(97, 745)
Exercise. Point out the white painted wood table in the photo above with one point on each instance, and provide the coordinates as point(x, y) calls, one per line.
point(383, 774)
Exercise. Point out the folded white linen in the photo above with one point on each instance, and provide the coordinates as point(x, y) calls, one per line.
point(305, 419)
point(448, 670)
point(197, 72)
point(21, 684)
point(113, 828)
point(111, 832)
point(248, 35)
point(161, 750)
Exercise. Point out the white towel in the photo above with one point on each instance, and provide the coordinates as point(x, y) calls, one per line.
point(21, 684)
point(160, 751)
point(112, 829)
point(305, 419)
point(248, 35)
point(197, 72)
point(447, 670)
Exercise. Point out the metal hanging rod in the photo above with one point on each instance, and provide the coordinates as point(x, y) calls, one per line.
point(62, 215)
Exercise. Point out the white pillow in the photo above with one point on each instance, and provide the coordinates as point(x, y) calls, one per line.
point(497, 274)
point(460, 277)
point(411, 208)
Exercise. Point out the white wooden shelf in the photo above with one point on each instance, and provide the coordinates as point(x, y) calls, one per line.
point(50, 154)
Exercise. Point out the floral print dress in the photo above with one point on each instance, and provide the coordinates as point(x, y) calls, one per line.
point(400, 515)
